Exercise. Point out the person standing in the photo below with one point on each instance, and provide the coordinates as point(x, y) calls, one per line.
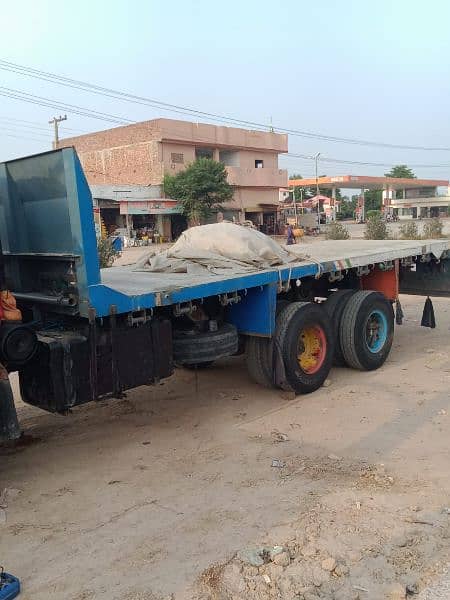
point(290, 235)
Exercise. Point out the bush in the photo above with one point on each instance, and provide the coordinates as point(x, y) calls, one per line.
point(336, 231)
point(409, 231)
point(376, 228)
point(106, 253)
point(373, 213)
point(433, 229)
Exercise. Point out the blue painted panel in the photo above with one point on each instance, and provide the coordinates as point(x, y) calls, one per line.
point(82, 215)
point(255, 313)
point(101, 296)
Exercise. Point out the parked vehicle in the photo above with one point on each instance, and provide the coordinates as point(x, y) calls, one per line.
point(98, 334)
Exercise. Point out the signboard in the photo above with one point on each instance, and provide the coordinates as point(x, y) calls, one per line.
point(149, 207)
point(97, 223)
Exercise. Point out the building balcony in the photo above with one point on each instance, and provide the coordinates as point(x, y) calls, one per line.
point(260, 178)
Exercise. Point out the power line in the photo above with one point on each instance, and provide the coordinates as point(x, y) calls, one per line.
point(361, 163)
point(72, 108)
point(104, 91)
point(32, 124)
point(13, 129)
point(42, 101)
point(21, 137)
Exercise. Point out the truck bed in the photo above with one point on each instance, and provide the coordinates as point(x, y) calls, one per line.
point(144, 289)
point(49, 243)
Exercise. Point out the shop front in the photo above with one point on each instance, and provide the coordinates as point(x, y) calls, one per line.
point(159, 219)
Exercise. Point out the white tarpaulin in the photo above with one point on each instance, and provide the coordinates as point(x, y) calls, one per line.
point(219, 248)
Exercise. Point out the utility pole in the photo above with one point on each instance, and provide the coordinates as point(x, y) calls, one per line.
point(316, 158)
point(56, 121)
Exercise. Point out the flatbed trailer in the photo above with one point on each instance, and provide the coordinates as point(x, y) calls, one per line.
point(88, 333)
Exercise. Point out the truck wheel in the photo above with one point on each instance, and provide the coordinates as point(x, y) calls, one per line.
point(259, 355)
point(366, 330)
point(197, 366)
point(334, 307)
point(256, 358)
point(304, 343)
point(197, 348)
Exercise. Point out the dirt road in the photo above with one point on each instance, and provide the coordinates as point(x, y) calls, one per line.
point(154, 495)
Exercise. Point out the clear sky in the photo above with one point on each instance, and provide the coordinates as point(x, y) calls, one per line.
point(373, 70)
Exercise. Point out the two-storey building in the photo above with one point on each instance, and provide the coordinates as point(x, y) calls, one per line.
point(132, 160)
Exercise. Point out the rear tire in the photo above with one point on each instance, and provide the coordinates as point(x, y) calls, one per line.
point(259, 355)
point(303, 347)
point(366, 330)
point(334, 307)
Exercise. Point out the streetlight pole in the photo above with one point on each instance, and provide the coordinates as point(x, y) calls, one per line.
point(295, 206)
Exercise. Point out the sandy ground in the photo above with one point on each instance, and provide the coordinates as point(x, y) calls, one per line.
point(171, 493)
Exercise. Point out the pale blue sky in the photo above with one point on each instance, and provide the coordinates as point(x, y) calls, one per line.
point(376, 70)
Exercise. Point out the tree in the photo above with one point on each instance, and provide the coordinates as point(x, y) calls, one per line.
point(373, 200)
point(200, 188)
point(401, 171)
point(347, 208)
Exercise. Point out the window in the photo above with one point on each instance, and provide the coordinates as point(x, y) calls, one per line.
point(259, 164)
point(176, 157)
point(229, 158)
point(204, 153)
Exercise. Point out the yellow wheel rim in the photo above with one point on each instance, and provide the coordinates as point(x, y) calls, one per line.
point(311, 349)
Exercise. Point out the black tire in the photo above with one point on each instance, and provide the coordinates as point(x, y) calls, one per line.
point(334, 307)
point(355, 329)
point(197, 348)
point(291, 325)
point(256, 358)
point(259, 355)
point(197, 366)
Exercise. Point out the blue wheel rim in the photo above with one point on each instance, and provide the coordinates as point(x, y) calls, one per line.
point(376, 331)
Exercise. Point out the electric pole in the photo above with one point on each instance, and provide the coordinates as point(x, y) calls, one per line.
point(56, 121)
point(316, 158)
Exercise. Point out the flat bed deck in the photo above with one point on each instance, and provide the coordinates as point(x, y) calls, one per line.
point(147, 289)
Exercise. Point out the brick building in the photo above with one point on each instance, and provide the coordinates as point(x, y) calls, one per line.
point(140, 155)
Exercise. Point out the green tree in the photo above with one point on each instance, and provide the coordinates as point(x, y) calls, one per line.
point(200, 189)
point(401, 171)
point(347, 209)
point(373, 199)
